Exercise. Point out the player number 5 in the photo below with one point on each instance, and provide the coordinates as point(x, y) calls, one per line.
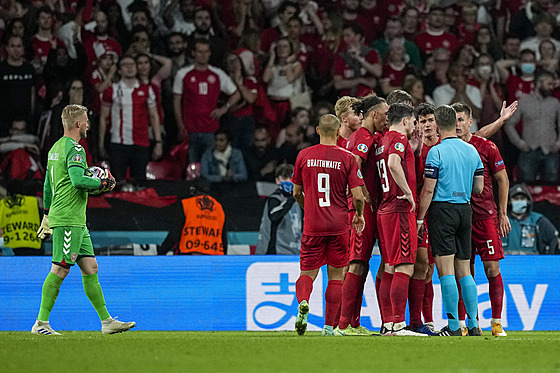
point(490, 247)
point(324, 186)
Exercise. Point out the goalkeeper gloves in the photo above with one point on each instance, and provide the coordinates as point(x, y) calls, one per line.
point(108, 183)
point(44, 229)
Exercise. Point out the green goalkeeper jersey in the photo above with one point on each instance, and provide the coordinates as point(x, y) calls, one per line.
point(64, 193)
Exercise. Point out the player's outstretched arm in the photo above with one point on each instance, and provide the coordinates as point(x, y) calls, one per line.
point(490, 129)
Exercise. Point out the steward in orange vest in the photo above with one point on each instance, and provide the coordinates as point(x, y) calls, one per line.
point(200, 231)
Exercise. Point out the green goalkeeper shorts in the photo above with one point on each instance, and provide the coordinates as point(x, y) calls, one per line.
point(71, 243)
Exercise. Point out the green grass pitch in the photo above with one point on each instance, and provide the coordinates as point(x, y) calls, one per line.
point(169, 351)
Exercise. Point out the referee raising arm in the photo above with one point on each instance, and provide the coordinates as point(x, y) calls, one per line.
point(453, 171)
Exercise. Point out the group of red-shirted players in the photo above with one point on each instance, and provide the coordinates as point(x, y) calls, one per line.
point(390, 140)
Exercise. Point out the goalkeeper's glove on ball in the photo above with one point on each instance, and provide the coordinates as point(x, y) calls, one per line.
point(108, 183)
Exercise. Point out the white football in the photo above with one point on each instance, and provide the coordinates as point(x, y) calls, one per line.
point(97, 173)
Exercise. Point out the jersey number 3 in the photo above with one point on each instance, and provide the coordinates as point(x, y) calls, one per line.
point(324, 186)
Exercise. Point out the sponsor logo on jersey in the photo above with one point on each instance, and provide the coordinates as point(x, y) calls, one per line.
point(363, 148)
point(77, 158)
point(499, 163)
point(53, 156)
point(400, 147)
point(360, 174)
point(140, 93)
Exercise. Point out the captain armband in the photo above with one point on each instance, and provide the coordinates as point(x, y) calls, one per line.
point(431, 172)
point(479, 172)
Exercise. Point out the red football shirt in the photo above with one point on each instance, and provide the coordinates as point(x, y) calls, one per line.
point(518, 87)
point(325, 172)
point(250, 83)
point(395, 143)
point(342, 69)
point(200, 91)
point(429, 41)
point(421, 163)
point(342, 142)
point(483, 205)
point(362, 143)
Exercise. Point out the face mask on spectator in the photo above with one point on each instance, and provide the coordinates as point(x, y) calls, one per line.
point(519, 207)
point(485, 70)
point(287, 186)
point(528, 68)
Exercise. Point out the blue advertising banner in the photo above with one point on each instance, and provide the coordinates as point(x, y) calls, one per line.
point(244, 293)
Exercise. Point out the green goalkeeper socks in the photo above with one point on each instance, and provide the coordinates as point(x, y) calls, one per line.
point(51, 287)
point(94, 293)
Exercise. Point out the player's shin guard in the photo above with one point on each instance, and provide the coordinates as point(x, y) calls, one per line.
point(399, 293)
point(470, 298)
point(304, 287)
point(350, 291)
point(428, 302)
point(415, 298)
point(92, 288)
point(385, 297)
point(51, 287)
point(450, 297)
point(496, 290)
point(333, 297)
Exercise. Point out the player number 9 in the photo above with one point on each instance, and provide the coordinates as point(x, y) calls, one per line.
point(323, 185)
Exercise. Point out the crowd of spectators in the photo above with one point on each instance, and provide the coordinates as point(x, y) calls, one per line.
point(220, 76)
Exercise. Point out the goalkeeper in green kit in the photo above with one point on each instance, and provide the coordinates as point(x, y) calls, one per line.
point(65, 198)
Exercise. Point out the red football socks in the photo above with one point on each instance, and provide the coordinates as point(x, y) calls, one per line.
point(428, 303)
point(350, 292)
point(333, 296)
point(377, 287)
point(496, 290)
point(355, 321)
point(415, 298)
point(304, 287)
point(399, 294)
point(385, 297)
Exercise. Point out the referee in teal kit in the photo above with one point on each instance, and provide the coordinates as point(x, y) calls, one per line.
point(453, 171)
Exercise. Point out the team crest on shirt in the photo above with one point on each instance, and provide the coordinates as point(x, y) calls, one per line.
point(363, 148)
point(211, 79)
point(360, 174)
point(77, 158)
point(399, 147)
point(193, 79)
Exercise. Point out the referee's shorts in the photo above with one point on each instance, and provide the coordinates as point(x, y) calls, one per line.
point(450, 229)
